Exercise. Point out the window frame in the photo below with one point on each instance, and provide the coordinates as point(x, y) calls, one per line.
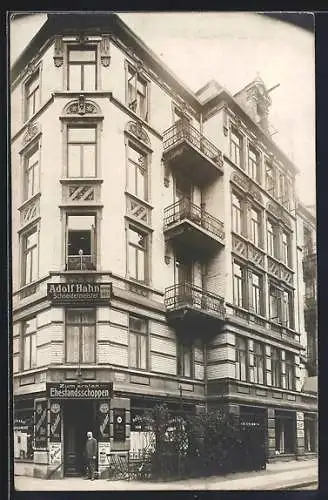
point(80, 325)
point(275, 238)
point(255, 237)
point(36, 75)
point(32, 149)
point(273, 188)
point(241, 288)
point(32, 345)
point(78, 126)
point(139, 148)
point(259, 356)
point(234, 147)
point(237, 213)
point(238, 363)
point(286, 248)
point(88, 46)
point(276, 363)
point(254, 163)
point(290, 384)
point(138, 76)
point(94, 238)
point(138, 334)
point(147, 235)
point(34, 228)
point(260, 292)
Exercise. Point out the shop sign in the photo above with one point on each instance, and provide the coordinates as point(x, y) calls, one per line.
point(103, 452)
point(55, 453)
point(67, 293)
point(103, 416)
point(86, 390)
point(40, 423)
point(119, 424)
point(55, 422)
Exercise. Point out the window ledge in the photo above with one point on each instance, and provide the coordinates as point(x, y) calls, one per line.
point(140, 200)
point(30, 200)
point(84, 180)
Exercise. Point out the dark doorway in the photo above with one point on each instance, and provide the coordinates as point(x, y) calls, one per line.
point(79, 418)
point(253, 435)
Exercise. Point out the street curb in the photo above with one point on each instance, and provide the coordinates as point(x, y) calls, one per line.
point(297, 485)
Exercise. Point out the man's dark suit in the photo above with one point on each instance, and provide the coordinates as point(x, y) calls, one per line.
point(90, 456)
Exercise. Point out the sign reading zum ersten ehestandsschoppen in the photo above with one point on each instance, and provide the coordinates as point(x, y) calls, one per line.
point(79, 292)
point(87, 390)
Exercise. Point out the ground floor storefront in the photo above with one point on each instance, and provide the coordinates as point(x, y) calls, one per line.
point(50, 428)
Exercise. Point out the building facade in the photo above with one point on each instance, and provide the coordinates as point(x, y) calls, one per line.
point(154, 249)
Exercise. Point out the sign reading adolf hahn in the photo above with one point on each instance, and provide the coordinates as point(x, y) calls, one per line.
point(63, 293)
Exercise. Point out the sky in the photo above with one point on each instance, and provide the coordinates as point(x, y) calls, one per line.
point(233, 48)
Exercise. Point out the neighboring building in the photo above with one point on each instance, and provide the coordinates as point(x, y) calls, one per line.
point(154, 250)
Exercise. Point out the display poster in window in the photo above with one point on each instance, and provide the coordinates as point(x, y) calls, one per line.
point(103, 419)
point(55, 422)
point(40, 423)
point(55, 453)
point(66, 293)
point(119, 424)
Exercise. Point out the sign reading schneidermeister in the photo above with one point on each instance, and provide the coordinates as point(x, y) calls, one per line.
point(63, 293)
point(87, 390)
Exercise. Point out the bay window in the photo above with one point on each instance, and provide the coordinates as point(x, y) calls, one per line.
point(80, 335)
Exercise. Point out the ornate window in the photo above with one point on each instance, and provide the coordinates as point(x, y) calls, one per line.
point(285, 248)
point(29, 344)
point(241, 359)
point(31, 171)
point(184, 359)
point(81, 151)
point(82, 68)
point(29, 241)
point(276, 366)
point(32, 94)
point(237, 214)
point(272, 239)
point(259, 377)
point(274, 303)
point(137, 174)
point(138, 342)
point(236, 147)
point(255, 227)
point(80, 335)
point(138, 243)
point(254, 164)
point(137, 92)
point(257, 293)
point(239, 277)
point(81, 241)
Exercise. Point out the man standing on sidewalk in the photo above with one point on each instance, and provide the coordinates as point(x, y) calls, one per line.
point(90, 455)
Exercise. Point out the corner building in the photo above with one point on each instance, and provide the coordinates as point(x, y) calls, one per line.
point(154, 250)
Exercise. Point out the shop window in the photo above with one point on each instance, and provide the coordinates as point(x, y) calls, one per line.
point(137, 175)
point(82, 69)
point(81, 151)
point(29, 344)
point(236, 147)
point(137, 93)
point(276, 367)
point(138, 342)
point(184, 359)
point(29, 241)
point(138, 254)
point(32, 95)
point(80, 335)
point(241, 359)
point(23, 433)
point(285, 431)
point(31, 172)
point(81, 242)
point(259, 377)
point(310, 429)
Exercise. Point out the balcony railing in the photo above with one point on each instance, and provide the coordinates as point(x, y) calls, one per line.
point(189, 295)
point(80, 263)
point(185, 209)
point(182, 130)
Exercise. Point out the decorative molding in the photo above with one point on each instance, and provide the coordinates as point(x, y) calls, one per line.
point(82, 106)
point(138, 210)
point(255, 255)
point(139, 290)
point(136, 129)
point(58, 51)
point(254, 193)
point(241, 182)
point(30, 211)
point(275, 209)
point(239, 246)
point(33, 129)
point(105, 51)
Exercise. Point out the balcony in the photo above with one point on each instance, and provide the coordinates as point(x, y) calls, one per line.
point(186, 301)
point(189, 151)
point(80, 263)
point(189, 225)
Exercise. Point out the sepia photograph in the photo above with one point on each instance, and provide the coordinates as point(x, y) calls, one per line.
point(164, 330)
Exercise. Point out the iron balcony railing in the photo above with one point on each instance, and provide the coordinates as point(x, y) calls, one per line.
point(80, 263)
point(185, 209)
point(182, 130)
point(187, 294)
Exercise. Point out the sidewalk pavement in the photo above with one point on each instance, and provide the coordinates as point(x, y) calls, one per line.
point(282, 475)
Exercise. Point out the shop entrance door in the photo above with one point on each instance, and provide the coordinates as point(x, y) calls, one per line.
point(79, 418)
